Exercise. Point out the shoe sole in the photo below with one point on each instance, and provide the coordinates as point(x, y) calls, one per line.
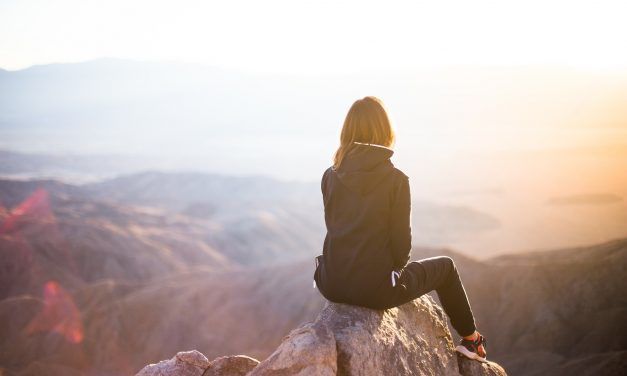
point(469, 354)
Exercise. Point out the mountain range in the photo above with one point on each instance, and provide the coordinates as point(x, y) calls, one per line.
point(104, 278)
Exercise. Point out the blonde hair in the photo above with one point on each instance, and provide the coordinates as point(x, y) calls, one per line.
point(367, 122)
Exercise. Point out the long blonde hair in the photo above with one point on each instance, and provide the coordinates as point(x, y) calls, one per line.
point(367, 122)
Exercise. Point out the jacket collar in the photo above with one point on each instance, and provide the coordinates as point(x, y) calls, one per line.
point(365, 157)
point(375, 145)
point(365, 166)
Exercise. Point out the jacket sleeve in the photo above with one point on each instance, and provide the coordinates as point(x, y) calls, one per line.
point(323, 185)
point(400, 225)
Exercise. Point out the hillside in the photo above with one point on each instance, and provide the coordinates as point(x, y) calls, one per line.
point(88, 279)
point(551, 312)
point(220, 313)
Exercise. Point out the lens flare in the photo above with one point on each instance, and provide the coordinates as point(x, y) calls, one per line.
point(59, 315)
point(35, 207)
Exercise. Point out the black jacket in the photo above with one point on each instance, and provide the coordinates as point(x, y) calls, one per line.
point(367, 214)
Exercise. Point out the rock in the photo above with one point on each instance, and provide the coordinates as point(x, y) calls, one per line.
point(307, 350)
point(187, 363)
point(469, 367)
point(233, 365)
point(194, 363)
point(412, 339)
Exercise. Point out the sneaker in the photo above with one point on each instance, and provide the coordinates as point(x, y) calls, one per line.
point(470, 348)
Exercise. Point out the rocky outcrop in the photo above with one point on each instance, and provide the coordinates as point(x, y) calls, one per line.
point(185, 363)
point(412, 339)
point(236, 365)
point(193, 363)
point(469, 367)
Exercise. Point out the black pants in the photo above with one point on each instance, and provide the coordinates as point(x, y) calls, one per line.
point(435, 273)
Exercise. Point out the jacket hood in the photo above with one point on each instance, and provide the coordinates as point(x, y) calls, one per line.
point(364, 167)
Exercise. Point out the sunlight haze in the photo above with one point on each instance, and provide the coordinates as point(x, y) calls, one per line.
point(506, 108)
point(317, 36)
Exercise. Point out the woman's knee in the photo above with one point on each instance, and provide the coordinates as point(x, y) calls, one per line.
point(449, 262)
point(451, 267)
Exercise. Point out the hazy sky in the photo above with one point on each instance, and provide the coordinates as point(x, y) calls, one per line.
point(317, 36)
point(500, 106)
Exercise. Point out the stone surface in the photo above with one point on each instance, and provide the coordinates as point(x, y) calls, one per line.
point(307, 350)
point(412, 339)
point(186, 363)
point(233, 365)
point(468, 367)
point(194, 363)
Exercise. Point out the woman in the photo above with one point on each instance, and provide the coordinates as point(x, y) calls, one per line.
point(367, 212)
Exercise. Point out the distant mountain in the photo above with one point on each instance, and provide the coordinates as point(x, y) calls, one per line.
point(539, 312)
point(178, 191)
point(66, 250)
point(195, 116)
point(121, 255)
point(288, 213)
point(54, 233)
point(111, 106)
point(267, 232)
point(70, 168)
point(126, 326)
point(221, 197)
point(105, 92)
point(441, 224)
point(586, 199)
point(152, 263)
point(257, 218)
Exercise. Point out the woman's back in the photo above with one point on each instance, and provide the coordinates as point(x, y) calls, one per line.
point(366, 204)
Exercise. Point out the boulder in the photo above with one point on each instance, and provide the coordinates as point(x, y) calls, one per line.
point(232, 365)
point(185, 363)
point(194, 363)
point(468, 367)
point(412, 339)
